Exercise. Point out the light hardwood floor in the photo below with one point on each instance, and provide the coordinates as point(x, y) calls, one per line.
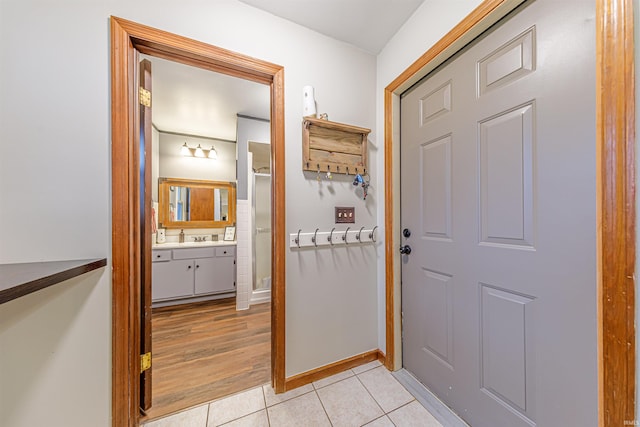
point(207, 350)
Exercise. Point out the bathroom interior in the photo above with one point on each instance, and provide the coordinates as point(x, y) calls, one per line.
point(211, 196)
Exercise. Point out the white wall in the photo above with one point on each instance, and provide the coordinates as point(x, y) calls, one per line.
point(155, 163)
point(249, 130)
point(172, 164)
point(55, 190)
point(429, 23)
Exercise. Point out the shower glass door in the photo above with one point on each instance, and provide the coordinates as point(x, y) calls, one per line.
point(262, 231)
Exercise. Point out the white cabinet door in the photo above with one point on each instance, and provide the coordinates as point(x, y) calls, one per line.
point(214, 275)
point(172, 279)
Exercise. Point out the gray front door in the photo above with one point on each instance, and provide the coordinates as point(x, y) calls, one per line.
point(498, 195)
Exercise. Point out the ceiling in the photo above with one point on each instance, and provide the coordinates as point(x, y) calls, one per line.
point(367, 24)
point(198, 102)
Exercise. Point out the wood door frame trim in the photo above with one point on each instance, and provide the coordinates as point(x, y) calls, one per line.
point(615, 192)
point(127, 39)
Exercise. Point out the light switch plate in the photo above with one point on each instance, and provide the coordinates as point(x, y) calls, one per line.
point(345, 215)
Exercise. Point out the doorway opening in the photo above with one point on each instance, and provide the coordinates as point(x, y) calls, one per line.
point(128, 40)
point(206, 341)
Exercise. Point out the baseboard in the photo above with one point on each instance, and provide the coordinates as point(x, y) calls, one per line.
point(260, 296)
point(430, 401)
point(189, 300)
point(334, 368)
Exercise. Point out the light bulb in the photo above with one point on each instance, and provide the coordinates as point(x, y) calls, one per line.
point(199, 152)
point(213, 154)
point(185, 150)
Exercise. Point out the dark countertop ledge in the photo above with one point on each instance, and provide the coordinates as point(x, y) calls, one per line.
point(18, 280)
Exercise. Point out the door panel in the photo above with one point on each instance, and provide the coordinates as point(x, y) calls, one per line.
point(506, 181)
point(498, 188)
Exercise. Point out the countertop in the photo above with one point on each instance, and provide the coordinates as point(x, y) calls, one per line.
point(176, 245)
point(18, 280)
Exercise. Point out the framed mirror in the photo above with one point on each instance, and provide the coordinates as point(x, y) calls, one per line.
point(189, 203)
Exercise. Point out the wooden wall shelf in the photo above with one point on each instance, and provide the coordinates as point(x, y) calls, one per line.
point(18, 280)
point(333, 147)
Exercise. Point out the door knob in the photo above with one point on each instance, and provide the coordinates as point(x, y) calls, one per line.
point(405, 250)
point(406, 232)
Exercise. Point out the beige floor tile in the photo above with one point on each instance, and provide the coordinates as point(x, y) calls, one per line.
point(257, 419)
point(385, 389)
point(333, 379)
point(348, 403)
point(413, 414)
point(195, 417)
point(305, 410)
point(236, 406)
point(362, 368)
point(272, 398)
point(380, 422)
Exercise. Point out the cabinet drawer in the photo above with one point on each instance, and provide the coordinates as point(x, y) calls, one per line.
point(226, 251)
point(191, 253)
point(164, 255)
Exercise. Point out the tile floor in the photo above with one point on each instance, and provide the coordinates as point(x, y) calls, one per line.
point(367, 395)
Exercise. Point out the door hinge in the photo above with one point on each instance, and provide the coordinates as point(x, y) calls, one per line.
point(145, 362)
point(145, 97)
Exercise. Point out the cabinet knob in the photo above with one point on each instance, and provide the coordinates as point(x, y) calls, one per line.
point(197, 266)
point(158, 256)
point(188, 267)
point(225, 252)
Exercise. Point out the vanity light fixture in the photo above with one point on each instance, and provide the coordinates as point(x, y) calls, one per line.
point(200, 152)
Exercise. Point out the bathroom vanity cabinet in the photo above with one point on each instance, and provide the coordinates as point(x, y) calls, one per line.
point(188, 274)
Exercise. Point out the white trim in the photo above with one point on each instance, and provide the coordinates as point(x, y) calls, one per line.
point(439, 410)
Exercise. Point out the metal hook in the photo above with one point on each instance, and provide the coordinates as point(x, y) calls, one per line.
point(298, 238)
point(358, 236)
point(371, 235)
point(330, 238)
point(313, 239)
point(346, 242)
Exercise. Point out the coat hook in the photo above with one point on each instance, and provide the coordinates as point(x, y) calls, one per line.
point(372, 234)
point(313, 239)
point(358, 236)
point(346, 242)
point(298, 238)
point(330, 238)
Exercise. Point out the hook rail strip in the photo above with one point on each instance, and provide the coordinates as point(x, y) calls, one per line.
point(334, 237)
